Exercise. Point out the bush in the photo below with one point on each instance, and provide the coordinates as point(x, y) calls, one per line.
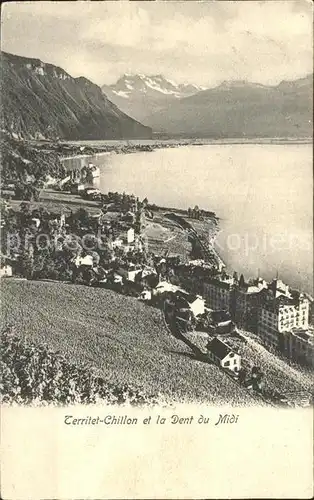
point(35, 374)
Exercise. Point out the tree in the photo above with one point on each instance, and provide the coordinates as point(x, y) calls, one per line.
point(25, 208)
point(255, 371)
point(46, 265)
point(82, 215)
point(25, 264)
point(257, 377)
point(196, 212)
point(90, 242)
point(242, 375)
point(186, 318)
point(106, 256)
point(208, 320)
point(192, 322)
point(242, 281)
point(25, 191)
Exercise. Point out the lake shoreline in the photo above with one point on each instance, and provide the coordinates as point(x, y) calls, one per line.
point(254, 190)
point(261, 169)
point(89, 147)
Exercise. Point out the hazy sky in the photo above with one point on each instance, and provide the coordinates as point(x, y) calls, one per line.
point(197, 42)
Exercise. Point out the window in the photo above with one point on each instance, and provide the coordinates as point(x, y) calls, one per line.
point(226, 363)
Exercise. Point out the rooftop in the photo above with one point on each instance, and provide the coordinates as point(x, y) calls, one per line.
point(253, 286)
point(254, 289)
point(188, 296)
point(221, 280)
point(281, 301)
point(219, 348)
point(166, 286)
point(199, 263)
point(307, 335)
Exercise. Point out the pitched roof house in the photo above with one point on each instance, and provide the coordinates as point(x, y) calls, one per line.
point(165, 286)
point(222, 355)
point(146, 295)
point(6, 270)
point(129, 273)
point(195, 302)
point(86, 260)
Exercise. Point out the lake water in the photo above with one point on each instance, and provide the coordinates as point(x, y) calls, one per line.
point(261, 192)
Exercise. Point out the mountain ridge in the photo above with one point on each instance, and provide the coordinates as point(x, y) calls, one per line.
point(241, 110)
point(140, 95)
point(41, 100)
point(236, 108)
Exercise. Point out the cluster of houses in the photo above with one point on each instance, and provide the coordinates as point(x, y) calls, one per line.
point(279, 315)
point(275, 312)
point(80, 169)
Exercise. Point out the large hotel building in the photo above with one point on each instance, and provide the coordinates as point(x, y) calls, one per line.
point(275, 312)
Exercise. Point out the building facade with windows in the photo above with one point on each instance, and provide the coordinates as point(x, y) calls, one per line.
point(222, 355)
point(298, 345)
point(219, 293)
point(282, 311)
point(248, 300)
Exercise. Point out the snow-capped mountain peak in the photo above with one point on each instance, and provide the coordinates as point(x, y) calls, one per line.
point(147, 84)
point(139, 95)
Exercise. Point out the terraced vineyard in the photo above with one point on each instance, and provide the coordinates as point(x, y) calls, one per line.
point(123, 340)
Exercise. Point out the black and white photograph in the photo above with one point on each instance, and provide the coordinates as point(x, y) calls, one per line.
point(157, 207)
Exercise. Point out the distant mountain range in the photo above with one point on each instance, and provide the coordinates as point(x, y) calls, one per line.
point(140, 95)
point(40, 100)
point(232, 109)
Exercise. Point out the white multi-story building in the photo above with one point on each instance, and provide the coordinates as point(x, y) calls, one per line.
point(298, 345)
point(281, 311)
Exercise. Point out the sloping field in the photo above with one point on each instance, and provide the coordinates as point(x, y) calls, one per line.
point(125, 340)
point(287, 379)
point(291, 381)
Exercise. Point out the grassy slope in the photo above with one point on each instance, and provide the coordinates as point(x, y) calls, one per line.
point(279, 375)
point(124, 339)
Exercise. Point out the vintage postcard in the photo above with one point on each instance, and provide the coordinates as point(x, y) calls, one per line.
point(157, 327)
